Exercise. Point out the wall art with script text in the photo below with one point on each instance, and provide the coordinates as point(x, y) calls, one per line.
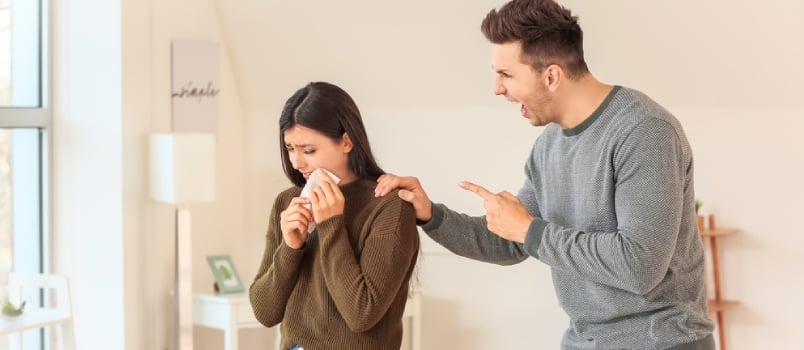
point(195, 70)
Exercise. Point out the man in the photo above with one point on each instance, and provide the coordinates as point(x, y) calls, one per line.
point(608, 200)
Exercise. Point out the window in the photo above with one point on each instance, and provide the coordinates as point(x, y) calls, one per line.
point(24, 122)
point(20, 81)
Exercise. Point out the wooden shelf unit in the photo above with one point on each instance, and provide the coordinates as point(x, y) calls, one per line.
point(718, 232)
point(718, 305)
point(723, 305)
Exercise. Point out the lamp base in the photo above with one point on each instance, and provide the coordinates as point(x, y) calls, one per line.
point(184, 281)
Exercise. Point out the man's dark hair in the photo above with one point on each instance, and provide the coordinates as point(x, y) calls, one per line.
point(548, 32)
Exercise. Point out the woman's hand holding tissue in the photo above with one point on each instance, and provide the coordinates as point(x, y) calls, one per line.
point(327, 199)
point(294, 221)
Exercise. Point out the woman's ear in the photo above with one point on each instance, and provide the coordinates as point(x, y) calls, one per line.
point(346, 143)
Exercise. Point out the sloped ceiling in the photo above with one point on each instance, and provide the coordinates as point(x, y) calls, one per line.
point(418, 52)
point(384, 53)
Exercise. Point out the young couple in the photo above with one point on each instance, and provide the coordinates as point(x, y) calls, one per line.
point(608, 204)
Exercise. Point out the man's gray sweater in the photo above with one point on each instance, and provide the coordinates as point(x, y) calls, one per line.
point(613, 202)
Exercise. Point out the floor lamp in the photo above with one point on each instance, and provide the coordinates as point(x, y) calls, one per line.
point(183, 172)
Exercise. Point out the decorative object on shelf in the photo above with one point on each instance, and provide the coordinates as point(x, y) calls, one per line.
point(698, 205)
point(53, 311)
point(226, 277)
point(9, 309)
point(183, 172)
point(717, 304)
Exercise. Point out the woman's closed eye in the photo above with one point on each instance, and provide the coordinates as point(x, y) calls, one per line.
point(305, 150)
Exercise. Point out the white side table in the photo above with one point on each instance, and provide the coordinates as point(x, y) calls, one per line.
point(413, 312)
point(232, 312)
point(228, 312)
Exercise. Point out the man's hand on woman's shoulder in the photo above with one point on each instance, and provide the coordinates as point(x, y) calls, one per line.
point(410, 190)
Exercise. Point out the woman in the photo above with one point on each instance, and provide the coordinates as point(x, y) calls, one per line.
point(344, 284)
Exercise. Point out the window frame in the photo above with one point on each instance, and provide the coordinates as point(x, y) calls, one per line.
point(25, 117)
point(38, 117)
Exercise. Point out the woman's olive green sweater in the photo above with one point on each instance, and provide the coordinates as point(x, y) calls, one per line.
point(347, 287)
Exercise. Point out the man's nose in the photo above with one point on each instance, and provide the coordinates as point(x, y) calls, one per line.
point(499, 88)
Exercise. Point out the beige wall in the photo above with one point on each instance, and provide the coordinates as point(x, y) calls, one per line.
point(420, 72)
point(731, 71)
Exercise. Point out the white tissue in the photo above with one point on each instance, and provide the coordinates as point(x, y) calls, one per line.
point(309, 187)
point(313, 181)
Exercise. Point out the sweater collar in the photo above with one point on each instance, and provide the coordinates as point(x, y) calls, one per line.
point(591, 119)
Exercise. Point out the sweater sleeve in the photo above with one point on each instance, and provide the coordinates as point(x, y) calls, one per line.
point(278, 272)
point(651, 164)
point(469, 237)
point(364, 287)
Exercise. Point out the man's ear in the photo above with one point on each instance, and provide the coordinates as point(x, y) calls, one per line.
point(346, 143)
point(553, 75)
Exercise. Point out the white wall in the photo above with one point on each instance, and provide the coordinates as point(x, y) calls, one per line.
point(420, 72)
point(87, 169)
point(112, 89)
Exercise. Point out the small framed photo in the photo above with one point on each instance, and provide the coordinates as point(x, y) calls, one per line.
point(225, 274)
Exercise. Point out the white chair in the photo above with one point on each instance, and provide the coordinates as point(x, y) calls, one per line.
point(58, 316)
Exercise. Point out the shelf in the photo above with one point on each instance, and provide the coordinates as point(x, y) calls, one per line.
point(722, 305)
point(718, 232)
point(717, 306)
point(31, 318)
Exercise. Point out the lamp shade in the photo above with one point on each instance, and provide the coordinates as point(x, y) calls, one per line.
point(182, 167)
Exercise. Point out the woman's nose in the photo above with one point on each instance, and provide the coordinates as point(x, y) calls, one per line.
point(295, 160)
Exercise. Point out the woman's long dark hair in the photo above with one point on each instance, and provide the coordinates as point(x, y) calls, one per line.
point(329, 110)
